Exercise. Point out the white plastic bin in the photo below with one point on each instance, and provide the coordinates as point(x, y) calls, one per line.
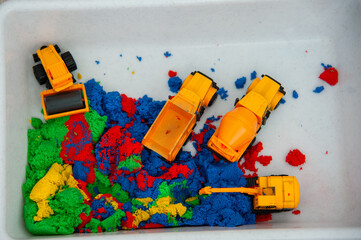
point(287, 40)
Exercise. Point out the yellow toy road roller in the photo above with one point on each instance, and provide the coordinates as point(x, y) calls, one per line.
point(63, 97)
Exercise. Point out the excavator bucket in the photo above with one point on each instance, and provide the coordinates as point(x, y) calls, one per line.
point(71, 101)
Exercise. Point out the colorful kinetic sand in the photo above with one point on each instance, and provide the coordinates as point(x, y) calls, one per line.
point(240, 82)
point(167, 54)
point(174, 83)
point(97, 179)
point(295, 158)
point(223, 93)
point(329, 75)
point(319, 89)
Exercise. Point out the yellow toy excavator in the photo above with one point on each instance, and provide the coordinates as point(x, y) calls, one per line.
point(63, 97)
point(270, 194)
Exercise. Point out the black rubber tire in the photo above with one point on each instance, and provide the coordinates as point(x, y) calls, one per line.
point(42, 47)
point(278, 104)
point(198, 116)
point(259, 129)
point(36, 57)
point(213, 99)
point(266, 116)
point(40, 74)
point(251, 181)
point(57, 48)
point(251, 144)
point(178, 154)
point(214, 85)
point(201, 111)
point(282, 90)
point(69, 61)
point(260, 212)
point(236, 101)
point(48, 85)
point(216, 154)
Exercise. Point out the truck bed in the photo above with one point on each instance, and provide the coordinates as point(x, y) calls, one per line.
point(169, 131)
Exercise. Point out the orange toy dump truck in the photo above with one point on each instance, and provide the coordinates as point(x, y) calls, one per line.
point(270, 194)
point(239, 127)
point(178, 117)
point(63, 98)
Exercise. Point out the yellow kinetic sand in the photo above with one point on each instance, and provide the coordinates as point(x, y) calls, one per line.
point(57, 177)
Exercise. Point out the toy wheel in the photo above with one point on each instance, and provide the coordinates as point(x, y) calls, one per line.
point(251, 181)
point(265, 118)
point(214, 85)
point(236, 101)
point(213, 99)
point(259, 129)
point(42, 47)
point(198, 116)
point(277, 105)
point(282, 90)
point(179, 153)
point(69, 61)
point(36, 57)
point(200, 113)
point(40, 74)
point(216, 154)
point(74, 81)
point(57, 48)
point(48, 85)
point(251, 144)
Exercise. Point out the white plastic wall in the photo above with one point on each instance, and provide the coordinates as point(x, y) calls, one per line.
point(233, 37)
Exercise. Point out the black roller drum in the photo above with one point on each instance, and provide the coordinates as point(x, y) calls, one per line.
point(64, 102)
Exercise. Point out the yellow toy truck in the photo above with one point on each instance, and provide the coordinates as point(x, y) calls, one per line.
point(179, 115)
point(270, 194)
point(239, 127)
point(63, 98)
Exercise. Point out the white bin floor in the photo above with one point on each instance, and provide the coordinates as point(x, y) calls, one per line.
point(287, 40)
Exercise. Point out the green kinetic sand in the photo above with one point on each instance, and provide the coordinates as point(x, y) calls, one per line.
point(44, 146)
